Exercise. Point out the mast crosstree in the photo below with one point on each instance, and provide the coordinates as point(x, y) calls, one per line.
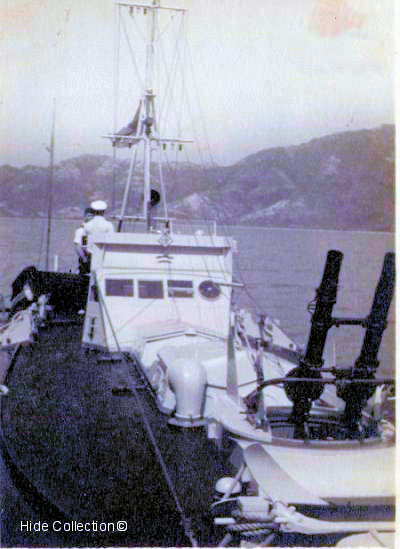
point(143, 127)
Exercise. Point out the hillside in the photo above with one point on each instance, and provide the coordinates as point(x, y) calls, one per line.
point(342, 181)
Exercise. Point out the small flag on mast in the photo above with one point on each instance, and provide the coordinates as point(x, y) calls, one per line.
point(129, 130)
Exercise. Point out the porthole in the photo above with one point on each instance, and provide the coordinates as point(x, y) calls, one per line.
point(209, 289)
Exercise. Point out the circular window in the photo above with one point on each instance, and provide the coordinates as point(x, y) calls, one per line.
point(209, 289)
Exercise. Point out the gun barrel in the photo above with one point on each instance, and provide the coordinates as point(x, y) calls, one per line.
point(377, 319)
point(322, 316)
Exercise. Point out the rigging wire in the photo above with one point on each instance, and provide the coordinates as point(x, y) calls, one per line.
point(162, 186)
point(167, 101)
point(133, 57)
point(200, 325)
point(141, 83)
point(255, 304)
point(129, 182)
point(60, 35)
point(181, 33)
point(185, 520)
point(202, 117)
point(132, 15)
point(169, 106)
point(117, 42)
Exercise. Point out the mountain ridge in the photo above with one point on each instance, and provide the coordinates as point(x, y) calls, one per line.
point(342, 181)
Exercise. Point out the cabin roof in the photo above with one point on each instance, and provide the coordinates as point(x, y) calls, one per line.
point(157, 239)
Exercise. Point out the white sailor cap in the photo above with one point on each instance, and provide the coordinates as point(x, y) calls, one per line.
point(98, 205)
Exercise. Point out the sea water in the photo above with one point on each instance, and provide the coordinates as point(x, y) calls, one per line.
point(280, 270)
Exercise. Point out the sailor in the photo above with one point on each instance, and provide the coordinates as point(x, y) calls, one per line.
point(98, 224)
point(80, 241)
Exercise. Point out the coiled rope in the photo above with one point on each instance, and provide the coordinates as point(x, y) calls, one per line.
point(249, 527)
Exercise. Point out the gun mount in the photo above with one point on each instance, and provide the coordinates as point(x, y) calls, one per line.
point(356, 384)
point(356, 394)
point(304, 394)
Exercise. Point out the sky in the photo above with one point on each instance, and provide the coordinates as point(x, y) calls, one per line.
point(268, 73)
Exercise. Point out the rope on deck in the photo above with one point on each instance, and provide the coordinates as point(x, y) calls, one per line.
point(186, 523)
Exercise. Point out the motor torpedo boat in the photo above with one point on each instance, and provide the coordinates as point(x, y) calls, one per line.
point(253, 437)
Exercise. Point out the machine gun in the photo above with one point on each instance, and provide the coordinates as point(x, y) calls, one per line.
point(355, 394)
point(304, 393)
point(354, 385)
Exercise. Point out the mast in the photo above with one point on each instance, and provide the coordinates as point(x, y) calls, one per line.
point(50, 185)
point(50, 149)
point(148, 107)
point(143, 127)
point(117, 29)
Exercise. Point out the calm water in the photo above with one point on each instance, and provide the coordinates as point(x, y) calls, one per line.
point(281, 269)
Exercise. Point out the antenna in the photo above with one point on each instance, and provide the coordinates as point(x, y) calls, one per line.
point(50, 184)
point(51, 152)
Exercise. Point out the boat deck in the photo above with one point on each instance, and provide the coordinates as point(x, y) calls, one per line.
point(72, 427)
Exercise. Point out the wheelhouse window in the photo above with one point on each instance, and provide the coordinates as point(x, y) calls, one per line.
point(119, 287)
point(151, 289)
point(180, 288)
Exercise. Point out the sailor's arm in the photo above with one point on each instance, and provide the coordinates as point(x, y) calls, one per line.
point(78, 243)
point(81, 252)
